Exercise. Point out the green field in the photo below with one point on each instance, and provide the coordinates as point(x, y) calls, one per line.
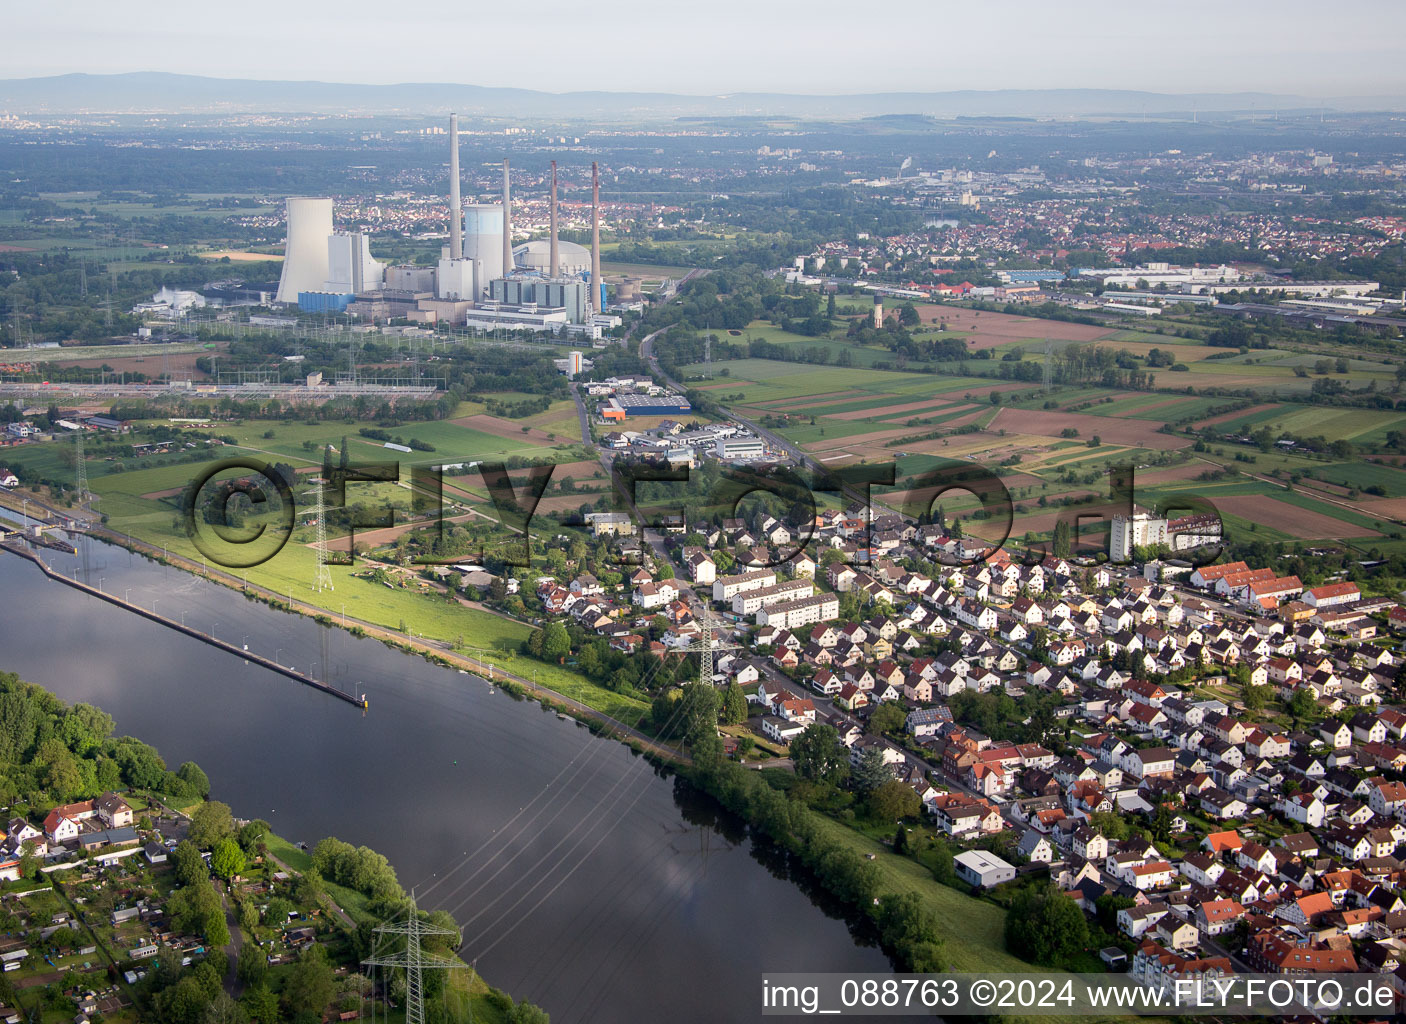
point(1362, 475)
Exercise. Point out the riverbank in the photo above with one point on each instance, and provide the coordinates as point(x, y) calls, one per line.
point(596, 706)
point(898, 875)
point(260, 921)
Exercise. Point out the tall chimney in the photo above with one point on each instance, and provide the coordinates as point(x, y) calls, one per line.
point(456, 211)
point(507, 224)
point(553, 262)
point(597, 299)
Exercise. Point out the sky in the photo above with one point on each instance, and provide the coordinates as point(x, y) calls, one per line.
point(1300, 47)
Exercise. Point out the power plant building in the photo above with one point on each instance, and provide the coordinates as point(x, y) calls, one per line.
point(350, 268)
point(536, 255)
point(567, 294)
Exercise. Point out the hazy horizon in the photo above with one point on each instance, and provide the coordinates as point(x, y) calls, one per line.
point(730, 47)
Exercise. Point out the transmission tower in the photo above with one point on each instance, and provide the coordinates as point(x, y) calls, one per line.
point(706, 647)
point(412, 959)
point(80, 468)
point(322, 576)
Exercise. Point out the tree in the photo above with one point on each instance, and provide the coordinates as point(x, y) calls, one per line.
point(556, 643)
point(190, 866)
point(871, 770)
point(216, 929)
point(252, 963)
point(311, 984)
point(698, 713)
point(734, 704)
point(211, 822)
point(190, 907)
point(59, 770)
point(908, 315)
point(886, 718)
point(195, 779)
point(276, 911)
point(527, 1013)
point(227, 860)
point(819, 756)
point(223, 1010)
point(260, 1004)
point(1302, 706)
point(182, 1003)
point(1045, 926)
point(248, 917)
point(892, 800)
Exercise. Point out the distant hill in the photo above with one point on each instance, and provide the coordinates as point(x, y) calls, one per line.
point(158, 92)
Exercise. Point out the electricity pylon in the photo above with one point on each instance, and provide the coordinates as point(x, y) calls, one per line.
point(706, 648)
point(322, 575)
point(80, 468)
point(413, 959)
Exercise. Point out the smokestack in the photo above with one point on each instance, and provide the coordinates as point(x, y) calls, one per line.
point(552, 258)
point(597, 299)
point(507, 224)
point(456, 212)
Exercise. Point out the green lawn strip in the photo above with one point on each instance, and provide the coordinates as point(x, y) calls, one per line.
point(354, 903)
point(426, 613)
point(980, 945)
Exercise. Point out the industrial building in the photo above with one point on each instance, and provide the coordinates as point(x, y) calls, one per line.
point(619, 406)
point(570, 295)
point(572, 259)
point(480, 280)
point(730, 448)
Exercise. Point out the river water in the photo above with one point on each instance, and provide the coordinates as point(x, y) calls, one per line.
point(584, 880)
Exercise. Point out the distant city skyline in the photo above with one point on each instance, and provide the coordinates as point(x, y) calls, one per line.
point(729, 46)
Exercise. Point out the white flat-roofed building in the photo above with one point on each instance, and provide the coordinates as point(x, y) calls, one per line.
point(740, 448)
point(982, 869)
point(725, 588)
point(794, 614)
point(751, 601)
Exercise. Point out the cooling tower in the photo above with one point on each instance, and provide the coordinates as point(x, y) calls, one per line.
point(305, 263)
point(483, 243)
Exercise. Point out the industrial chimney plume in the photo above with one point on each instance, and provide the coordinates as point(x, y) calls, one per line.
point(456, 212)
point(597, 284)
point(552, 259)
point(507, 224)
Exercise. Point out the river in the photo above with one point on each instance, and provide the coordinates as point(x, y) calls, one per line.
point(584, 880)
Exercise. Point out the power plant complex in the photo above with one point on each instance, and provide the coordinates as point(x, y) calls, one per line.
point(481, 280)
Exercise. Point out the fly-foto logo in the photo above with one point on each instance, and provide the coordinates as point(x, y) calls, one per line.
point(240, 512)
